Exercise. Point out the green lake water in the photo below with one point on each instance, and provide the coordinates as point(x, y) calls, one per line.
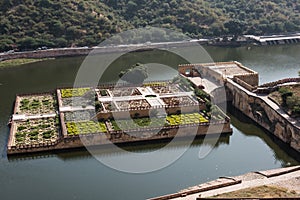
point(78, 175)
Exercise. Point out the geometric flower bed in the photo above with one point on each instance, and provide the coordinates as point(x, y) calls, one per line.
point(165, 89)
point(133, 104)
point(139, 123)
point(36, 105)
point(155, 84)
point(171, 120)
point(73, 92)
point(181, 119)
point(77, 101)
point(116, 92)
point(79, 115)
point(85, 127)
point(37, 131)
point(175, 101)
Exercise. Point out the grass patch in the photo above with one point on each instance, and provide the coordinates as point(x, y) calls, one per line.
point(74, 92)
point(21, 61)
point(260, 192)
point(170, 120)
point(85, 127)
point(138, 123)
point(181, 119)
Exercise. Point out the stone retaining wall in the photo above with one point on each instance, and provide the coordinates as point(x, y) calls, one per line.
point(122, 138)
point(263, 114)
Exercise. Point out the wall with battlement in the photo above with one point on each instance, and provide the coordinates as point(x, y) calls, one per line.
point(282, 81)
point(243, 83)
point(250, 79)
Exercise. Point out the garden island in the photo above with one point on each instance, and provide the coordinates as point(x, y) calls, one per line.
point(124, 113)
point(121, 113)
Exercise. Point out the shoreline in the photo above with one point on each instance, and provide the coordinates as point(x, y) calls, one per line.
point(21, 61)
point(225, 41)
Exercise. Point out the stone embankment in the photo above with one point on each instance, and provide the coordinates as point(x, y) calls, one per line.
point(83, 51)
point(285, 177)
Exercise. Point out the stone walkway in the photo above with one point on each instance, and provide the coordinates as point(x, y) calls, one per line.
point(75, 108)
point(16, 117)
point(288, 178)
point(256, 179)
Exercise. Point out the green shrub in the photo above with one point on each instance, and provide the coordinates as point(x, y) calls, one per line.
point(20, 139)
point(48, 132)
point(35, 137)
point(200, 93)
point(34, 133)
point(20, 134)
point(20, 128)
point(43, 126)
point(103, 92)
point(46, 136)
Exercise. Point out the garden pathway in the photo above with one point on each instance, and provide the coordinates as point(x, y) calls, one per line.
point(26, 117)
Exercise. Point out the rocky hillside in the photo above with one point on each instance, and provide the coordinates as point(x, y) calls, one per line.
point(29, 24)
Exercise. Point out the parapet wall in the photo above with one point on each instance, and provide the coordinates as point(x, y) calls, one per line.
point(250, 79)
point(245, 68)
point(243, 83)
point(282, 81)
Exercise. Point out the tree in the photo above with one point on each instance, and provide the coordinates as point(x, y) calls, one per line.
point(131, 6)
point(57, 28)
point(235, 26)
point(5, 5)
point(27, 43)
point(61, 42)
point(285, 93)
point(6, 44)
point(135, 75)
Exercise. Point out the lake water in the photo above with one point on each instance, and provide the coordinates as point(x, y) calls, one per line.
point(78, 175)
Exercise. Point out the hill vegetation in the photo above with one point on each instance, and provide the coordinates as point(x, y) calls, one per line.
point(288, 97)
point(29, 24)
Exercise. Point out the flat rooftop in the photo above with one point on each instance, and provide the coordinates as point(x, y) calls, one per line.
point(229, 69)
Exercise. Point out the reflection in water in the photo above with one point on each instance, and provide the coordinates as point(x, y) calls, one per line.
point(107, 150)
point(249, 128)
